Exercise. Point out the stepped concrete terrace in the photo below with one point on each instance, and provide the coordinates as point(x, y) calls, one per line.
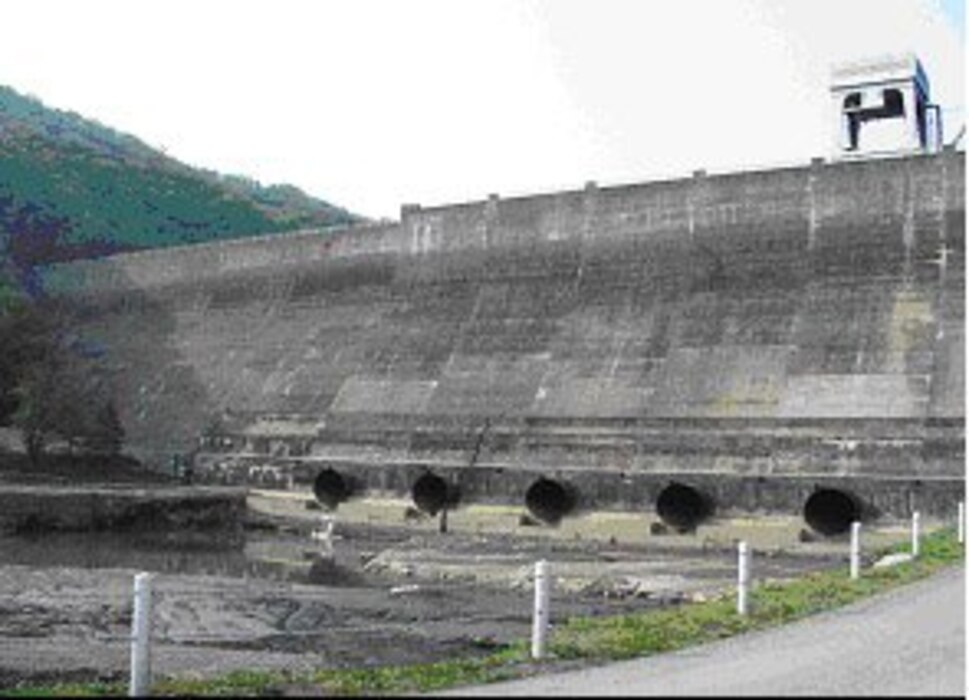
point(748, 342)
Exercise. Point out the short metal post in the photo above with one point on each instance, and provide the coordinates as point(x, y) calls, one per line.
point(743, 576)
point(855, 550)
point(140, 685)
point(541, 613)
point(915, 533)
point(961, 528)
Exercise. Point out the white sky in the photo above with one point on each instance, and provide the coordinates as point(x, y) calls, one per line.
point(373, 103)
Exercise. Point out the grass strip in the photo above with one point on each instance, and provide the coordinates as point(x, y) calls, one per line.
point(771, 604)
point(588, 639)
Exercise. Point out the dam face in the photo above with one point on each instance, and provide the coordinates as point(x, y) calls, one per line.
point(753, 338)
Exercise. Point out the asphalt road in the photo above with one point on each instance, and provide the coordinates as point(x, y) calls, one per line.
point(910, 641)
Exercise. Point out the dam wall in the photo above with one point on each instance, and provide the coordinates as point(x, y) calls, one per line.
point(803, 321)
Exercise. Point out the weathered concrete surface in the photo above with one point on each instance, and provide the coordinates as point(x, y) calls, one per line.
point(734, 493)
point(46, 508)
point(805, 323)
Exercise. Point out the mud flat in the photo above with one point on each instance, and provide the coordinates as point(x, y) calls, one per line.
point(390, 589)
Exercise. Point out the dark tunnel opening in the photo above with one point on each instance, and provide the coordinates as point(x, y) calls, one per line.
point(831, 512)
point(432, 493)
point(549, 500)
point(331, 488)
point(683, 507)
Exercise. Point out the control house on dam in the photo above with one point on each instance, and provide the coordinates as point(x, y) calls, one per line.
point(788, 340)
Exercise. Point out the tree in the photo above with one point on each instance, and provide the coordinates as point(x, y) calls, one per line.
point(59, 392)
point(12, 349)
point(36, 409)
point(106, 433)
point(24, 344)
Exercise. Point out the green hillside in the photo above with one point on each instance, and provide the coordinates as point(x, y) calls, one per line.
point(72, 188)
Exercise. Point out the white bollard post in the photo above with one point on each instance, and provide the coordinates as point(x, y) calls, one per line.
point(324, 535)
point(855, 550)
point(540, 617)
point(743, 576)
point(915, 533)
point(140, 685)
point(961, 528)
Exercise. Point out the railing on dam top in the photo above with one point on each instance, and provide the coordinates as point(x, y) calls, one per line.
point(648, 177)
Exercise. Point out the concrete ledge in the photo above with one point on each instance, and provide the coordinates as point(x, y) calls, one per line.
point(42, 509)
point(597, 488)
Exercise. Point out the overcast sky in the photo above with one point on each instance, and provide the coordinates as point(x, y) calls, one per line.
point(373, 103)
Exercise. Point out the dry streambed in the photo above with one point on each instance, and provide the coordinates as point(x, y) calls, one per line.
point(393, 589)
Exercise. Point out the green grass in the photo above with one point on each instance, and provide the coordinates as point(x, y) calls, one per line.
point(591, 639)
point(67, 690)
point(770, 604)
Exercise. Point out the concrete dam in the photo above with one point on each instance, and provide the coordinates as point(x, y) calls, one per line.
point(781, 340)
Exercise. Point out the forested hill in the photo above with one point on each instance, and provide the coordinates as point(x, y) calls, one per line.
point(72, 188)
